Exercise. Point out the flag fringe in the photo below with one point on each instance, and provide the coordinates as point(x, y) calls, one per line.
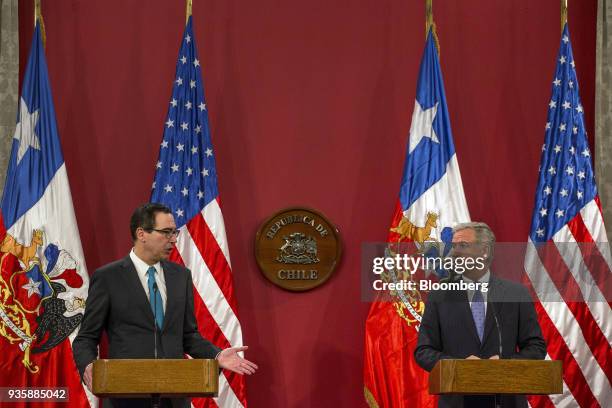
point(369, 398)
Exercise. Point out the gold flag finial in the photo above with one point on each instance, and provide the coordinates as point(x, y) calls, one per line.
point(563, 14)
point(429, 23)
point(39, 18)
point(188, 7)
point(428, 16)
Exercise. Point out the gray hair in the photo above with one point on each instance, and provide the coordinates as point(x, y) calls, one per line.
point(484, 234)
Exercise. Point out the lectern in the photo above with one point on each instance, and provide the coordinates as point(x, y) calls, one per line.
point(505, 377)
point(132, 378)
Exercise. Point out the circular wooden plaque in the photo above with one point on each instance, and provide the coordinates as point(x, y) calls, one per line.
point(297, 248)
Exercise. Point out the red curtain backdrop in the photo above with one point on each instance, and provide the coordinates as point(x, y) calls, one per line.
point(310, 104)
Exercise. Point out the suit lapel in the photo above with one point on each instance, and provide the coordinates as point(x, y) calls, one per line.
point(496, 292)
point(465, 310)
point(172, 290)
point(135, 287)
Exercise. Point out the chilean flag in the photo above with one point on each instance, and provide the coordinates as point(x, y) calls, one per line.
point(431, 201)
point(43, 276)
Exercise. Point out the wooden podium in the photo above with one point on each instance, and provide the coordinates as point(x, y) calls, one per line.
point(496, 377)
point(133, 378)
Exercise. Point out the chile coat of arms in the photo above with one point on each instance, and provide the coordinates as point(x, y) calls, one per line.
point(37, 309)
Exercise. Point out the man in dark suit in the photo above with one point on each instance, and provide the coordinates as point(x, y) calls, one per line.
point(145, 305)
point(462, 324)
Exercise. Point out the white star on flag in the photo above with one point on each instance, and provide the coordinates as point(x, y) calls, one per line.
point(422, 125)
point(25, 131)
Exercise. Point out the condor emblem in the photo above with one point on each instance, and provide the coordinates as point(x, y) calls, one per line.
point(297, 249)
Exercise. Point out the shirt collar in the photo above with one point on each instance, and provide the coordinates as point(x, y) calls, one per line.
point(141, 266)
point(483, 279)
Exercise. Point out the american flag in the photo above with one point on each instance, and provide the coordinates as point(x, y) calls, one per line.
point(573, 311)
point(186, 181)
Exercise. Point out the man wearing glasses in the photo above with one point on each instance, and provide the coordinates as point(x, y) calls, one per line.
point(145, 304)
point(474, 324)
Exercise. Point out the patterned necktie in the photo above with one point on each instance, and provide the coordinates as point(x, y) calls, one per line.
point(155, 299)
point(478, 313)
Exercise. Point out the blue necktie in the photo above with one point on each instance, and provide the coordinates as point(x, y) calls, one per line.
point(478, 313)
point(155, 299)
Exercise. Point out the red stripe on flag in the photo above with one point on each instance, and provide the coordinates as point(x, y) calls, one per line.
point(540, 401)
point(592, 257)
point(207, 325)
point(558, 350)
point(569, 290)
point(214, 258)
point(598, 202)
point(210, 330)
point(204, 403)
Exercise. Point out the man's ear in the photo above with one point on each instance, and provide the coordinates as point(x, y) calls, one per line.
point(140, 234)
point(485, 251)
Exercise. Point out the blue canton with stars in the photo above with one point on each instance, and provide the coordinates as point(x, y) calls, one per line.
point(566, 181)
point(186, 176)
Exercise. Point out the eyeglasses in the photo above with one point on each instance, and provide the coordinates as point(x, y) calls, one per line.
point(168, 233)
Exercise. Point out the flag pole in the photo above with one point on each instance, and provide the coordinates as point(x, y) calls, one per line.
point(188, 7)
point(38, 17)
point(563, 14)
point(428, 16)
point(429, 23)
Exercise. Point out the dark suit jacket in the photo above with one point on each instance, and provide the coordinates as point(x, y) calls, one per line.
point(118, 304)
point(448, 331)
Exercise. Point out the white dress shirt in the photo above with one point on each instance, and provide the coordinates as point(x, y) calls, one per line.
point(483, 279)
point(141, 268)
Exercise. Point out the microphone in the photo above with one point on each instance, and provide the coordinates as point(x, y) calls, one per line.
point(501, 349)
point(155, 317)
point(499, 334)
